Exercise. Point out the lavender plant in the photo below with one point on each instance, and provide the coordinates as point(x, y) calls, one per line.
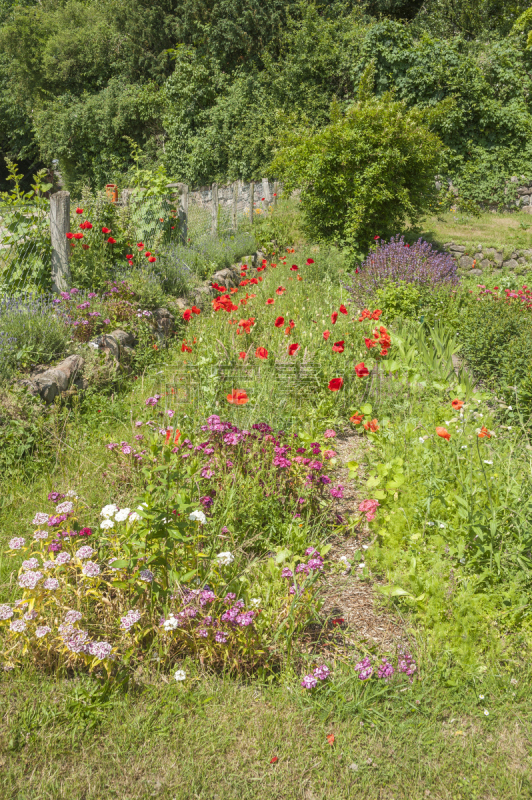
point(396, 261)
point(30, 332)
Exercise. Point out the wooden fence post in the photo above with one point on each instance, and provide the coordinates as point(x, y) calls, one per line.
point(266, 190)
point(59, 227)
point(183, 212)
point(214, 209)
point(234, 210)
point(251, 201)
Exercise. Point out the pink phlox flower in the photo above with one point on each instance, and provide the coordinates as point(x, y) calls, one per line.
point(329, 434)
point(309, 682)
point(385, 670)
point(322, 673)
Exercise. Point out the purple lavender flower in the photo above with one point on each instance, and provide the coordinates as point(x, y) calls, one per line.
point(394, 261)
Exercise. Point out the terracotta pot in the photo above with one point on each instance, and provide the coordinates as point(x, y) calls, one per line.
point(111, 190)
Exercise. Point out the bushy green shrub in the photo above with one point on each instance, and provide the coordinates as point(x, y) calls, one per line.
point(363, 175)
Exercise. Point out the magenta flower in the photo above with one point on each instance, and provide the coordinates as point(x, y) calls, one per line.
point(309, 682)
point(369, 508)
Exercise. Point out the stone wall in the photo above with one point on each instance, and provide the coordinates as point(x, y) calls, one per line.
point(480, 258)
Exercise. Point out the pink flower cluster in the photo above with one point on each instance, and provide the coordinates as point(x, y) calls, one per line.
point(369, 508)
point(320, 673)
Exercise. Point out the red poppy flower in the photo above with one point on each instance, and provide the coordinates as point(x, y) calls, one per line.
point(78, 236)
point(106, 230)
point(177, 435)
point(152, 259)
point(85, 246)
point(79, 211)
point(270, 301)
point(376, 237)
point(275, 759)
point(356, 419)
point(294, 268)
point(237, 397)
point(195, 310)
point(326, 335)
point(169, 432)
point(457, 404)
point(334, 317)
point(370, 343)
point(187, 314)
point(254, 281)
point(292, 350)
point(335, 384)
point(343, 309)
point(129, 257)
point(242, 355)
point(376, 314)
point(147, 253)
point(243, 283)
point(364, 315)
point(280, 290)
point(310, 261)
point(185, 348)
point(111, 240)
point(372, 426)
point(484, 433)
point(279, 322)
point(140, 245)
point(361, 370)
point(338, 347)
point(443, 433)
point(261, 352)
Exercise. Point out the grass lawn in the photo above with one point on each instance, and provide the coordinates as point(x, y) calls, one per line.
point(217, 741)
point(505, 232)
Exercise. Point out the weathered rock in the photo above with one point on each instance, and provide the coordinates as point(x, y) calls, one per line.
point(258, 258)
point(226, 277)
point(490, 251)
point(523, 190)
point(457, 248)
point(478, 256)
point(525, 200)
point(511, 263)
point(521, 260)
point(116, 343)
point(498, 258)
point(527, 209)
point(485, 263)
point(181, 303)
point(164, 322)
point(49, 384)
point(466, 262)
point(475, 271)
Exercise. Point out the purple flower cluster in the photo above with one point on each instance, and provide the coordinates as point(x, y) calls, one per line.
point(127, 621)
point(396, 261)
point(320, 673)
point(385, 670)
point(364, 669)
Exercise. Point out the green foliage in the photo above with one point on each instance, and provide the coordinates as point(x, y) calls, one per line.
point(364, 175)
point(399, 300)
point(25, 234)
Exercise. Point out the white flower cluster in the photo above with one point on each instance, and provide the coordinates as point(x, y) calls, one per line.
point(198, 516)
point(225, 558)
point(120, 515)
